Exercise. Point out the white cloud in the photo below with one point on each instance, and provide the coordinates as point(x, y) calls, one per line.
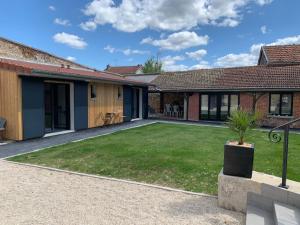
point(263, 29)
point(109, 49)
point(129, 51)
point(170, 63)
point(71, 58)
point(197, 55)
point(52, 8)
point(263, 2)
point(178, 41)
point(287, 41)
point(236, 60)
point(200, 65)
point(171, 15)
point(88, 26)
point(251, 57)
point(69, 39)
point(126, 51)
point(62, 22)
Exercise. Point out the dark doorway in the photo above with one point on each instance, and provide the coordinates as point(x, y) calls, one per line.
point(217, 106)
point(57, 107)
point(135, 103)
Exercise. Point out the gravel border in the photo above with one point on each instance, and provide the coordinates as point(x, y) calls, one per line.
point(34, 195)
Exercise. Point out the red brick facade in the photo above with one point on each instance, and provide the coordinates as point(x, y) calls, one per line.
point(246, 103)
point(262, 106)
point(193, 107)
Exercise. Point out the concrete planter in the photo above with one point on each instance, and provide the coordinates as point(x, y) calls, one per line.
point(238, 160)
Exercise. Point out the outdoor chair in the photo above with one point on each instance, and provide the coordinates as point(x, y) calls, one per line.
point(176, 111)
point(168, 110)
point(2, 126)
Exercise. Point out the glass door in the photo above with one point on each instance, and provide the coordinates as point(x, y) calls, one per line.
point(57, 107)
point(48, 98)
point(213, 107)
point(218, 106)
point(224, 107)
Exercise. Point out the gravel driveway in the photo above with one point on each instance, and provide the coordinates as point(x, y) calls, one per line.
point(30, 196)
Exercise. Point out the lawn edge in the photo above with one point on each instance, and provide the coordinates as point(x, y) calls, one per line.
point(110, 179)
point(79, 140)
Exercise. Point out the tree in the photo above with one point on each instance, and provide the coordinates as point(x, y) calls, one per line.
point(152, 66)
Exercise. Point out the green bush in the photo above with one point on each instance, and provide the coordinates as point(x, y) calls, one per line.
point(240, 122)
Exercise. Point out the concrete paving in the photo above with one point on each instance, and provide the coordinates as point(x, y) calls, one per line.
point(21, 147)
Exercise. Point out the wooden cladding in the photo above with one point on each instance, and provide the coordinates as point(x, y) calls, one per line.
point(108, 101)
point(11, 104)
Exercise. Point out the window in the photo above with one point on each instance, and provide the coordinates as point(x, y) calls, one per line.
point(234, 103)
point(93, 91)
point(119, 92)
point(204, 107)
point(281, 104)
point(218, 106)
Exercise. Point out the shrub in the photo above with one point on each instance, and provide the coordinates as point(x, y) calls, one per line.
point(240, 122)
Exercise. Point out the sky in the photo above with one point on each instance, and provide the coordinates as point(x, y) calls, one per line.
point(183, 34)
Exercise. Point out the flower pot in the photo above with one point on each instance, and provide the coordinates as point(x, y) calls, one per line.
point(238, 159)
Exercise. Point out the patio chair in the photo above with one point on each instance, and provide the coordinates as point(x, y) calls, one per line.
point(2, 126)
point(168, 110)
point(176, 111)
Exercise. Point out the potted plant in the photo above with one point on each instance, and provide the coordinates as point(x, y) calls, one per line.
point(238, 155)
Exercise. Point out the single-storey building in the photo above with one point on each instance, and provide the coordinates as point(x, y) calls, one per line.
point(125, 70)
point(40, 99)
point(271, 88)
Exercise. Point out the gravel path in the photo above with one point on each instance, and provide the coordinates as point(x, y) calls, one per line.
point(30, 196)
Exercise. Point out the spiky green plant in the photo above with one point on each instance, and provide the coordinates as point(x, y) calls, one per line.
point(240, 122)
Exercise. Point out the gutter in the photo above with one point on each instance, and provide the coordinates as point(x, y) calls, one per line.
point(228, 90)
point(40, 73)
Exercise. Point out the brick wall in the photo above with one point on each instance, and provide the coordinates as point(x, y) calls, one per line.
point(262, 106)
point(154, 102)
point(193, 110)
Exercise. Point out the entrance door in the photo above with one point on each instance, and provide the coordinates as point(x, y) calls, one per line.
point(218, 106)
point(135, 103)
point(57, 107)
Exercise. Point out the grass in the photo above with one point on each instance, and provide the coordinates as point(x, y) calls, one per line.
point(179, 156)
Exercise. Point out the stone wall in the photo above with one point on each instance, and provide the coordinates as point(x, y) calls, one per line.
point(10, 49)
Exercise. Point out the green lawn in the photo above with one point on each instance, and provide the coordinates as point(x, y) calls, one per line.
point(180, 156)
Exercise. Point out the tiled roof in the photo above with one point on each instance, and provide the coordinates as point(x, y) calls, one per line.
point(282, 54)
point(124, 69)
point(19, 51)
point(35, 69)
point(241, 78)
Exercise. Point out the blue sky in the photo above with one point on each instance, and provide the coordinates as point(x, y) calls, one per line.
point(185, 34)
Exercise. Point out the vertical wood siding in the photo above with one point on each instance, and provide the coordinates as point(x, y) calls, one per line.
point(11, 104)
point(106, 101)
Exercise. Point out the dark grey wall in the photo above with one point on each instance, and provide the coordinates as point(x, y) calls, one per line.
point(127, 98)
point(33, 107)
point(127, 103)
point(145, 103)
point(80, 105)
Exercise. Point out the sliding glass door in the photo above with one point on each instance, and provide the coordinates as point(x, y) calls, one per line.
point(57, 107)
point(216, 106)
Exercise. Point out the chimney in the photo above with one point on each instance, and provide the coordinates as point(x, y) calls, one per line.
point(62, 66)
point(68, 66)
point(107, 67)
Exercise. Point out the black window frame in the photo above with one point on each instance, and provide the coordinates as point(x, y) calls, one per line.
point(218, 94)
point(280, 103)
point(120, 94)
point(93, 91)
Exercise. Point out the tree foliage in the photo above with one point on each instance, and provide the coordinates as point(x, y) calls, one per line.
point(240, 122)
point(152, 66)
